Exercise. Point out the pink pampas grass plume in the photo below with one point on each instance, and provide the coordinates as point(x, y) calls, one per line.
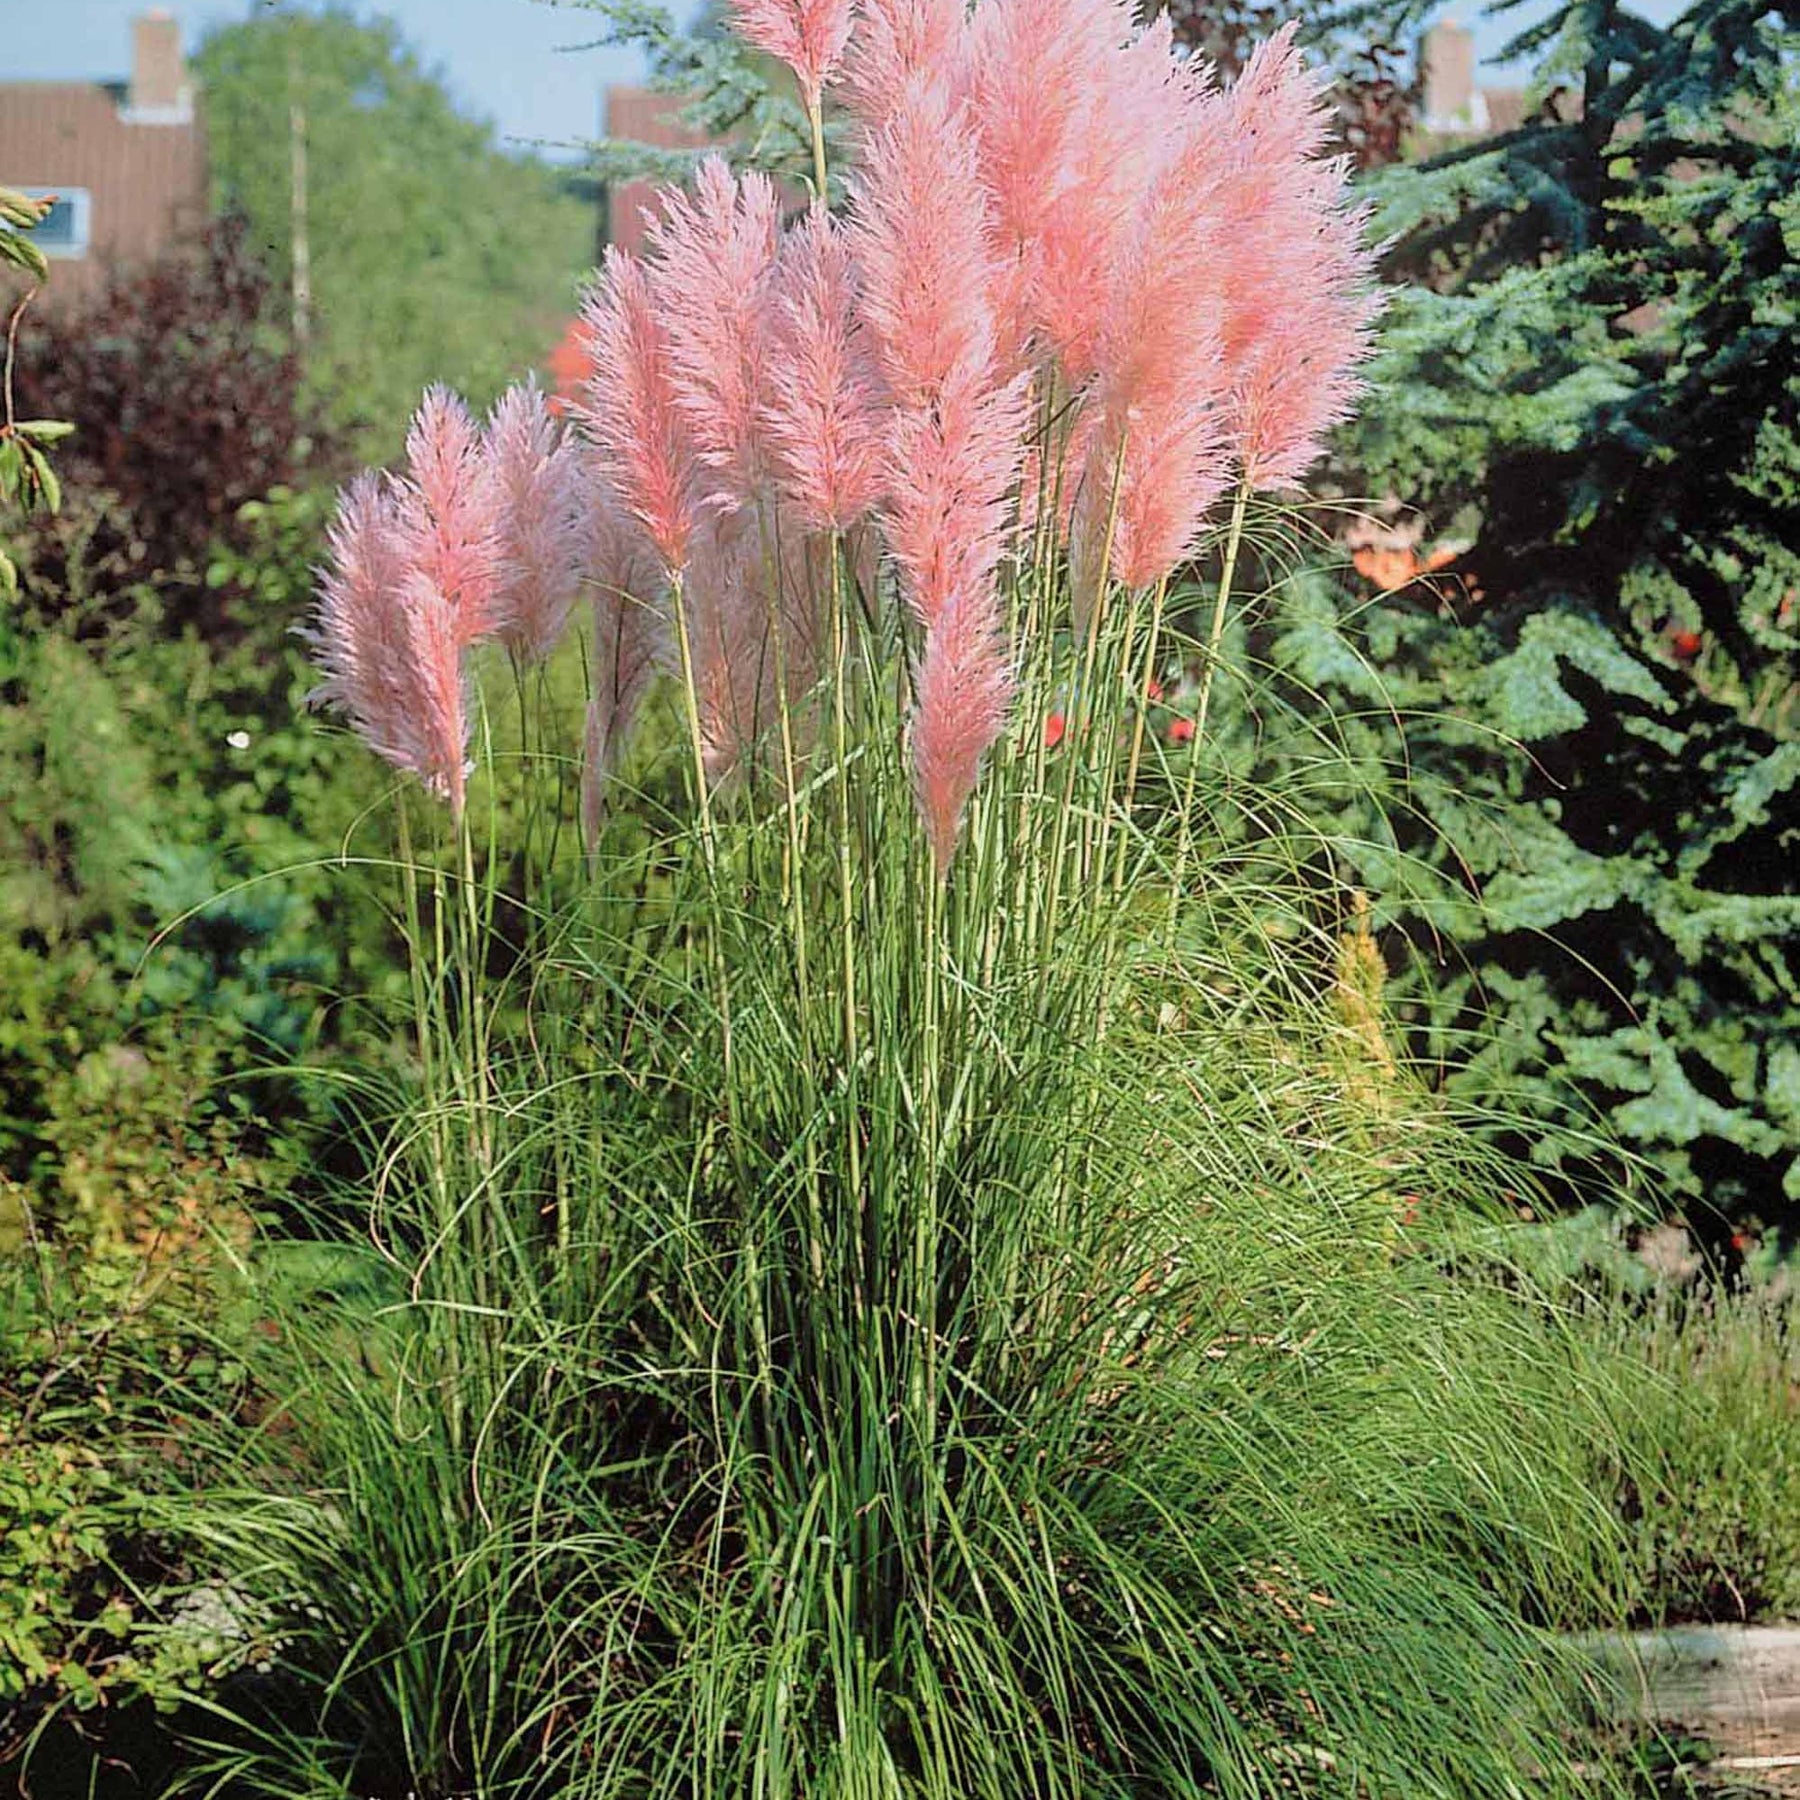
point(714, 259)
point(1162, 387)
point(630, 408)
point(1292, 361)
point(954, 466)
point(537, 482)
point(899, 42)
point(919, 228)
point(1134, 123)
point(390, 644)
point(1055, 140)
point(623, 578)
point(964, 688)
point(823, 416)
point(1297, 379)
point(920, 232)
point(808, 35)
point(450, 513)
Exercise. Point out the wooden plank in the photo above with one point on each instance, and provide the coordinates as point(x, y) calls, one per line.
point(1737, 1678)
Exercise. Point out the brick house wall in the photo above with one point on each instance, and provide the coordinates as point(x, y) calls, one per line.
point(128, 161)
point(643, 117)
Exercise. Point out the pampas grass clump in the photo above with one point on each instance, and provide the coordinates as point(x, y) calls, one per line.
point(905, 1270)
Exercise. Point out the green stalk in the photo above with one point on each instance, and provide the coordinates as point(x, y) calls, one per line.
point(1234, 537)
point(415, 975)
point(846, 885)
point(1075, 732)
point(1142, 700)
point(525, 784)
point(791, 875)
point(925, 1228)
point(690, 697)
point(815, 118)
point(475, 1071)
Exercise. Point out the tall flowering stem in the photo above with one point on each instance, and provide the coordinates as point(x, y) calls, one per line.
point(944, 455)
point(1215, 637)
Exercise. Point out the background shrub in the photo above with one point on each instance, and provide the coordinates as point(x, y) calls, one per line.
point(1562, 760)
point(434, 255)
point(185, 398)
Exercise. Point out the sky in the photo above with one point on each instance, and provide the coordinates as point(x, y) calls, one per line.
point(499, 58)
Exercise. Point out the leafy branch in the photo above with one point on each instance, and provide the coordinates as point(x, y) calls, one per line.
point(26, 478)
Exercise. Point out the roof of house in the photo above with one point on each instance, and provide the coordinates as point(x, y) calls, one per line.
point(144, 177)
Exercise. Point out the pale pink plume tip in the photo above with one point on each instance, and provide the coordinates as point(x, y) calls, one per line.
point(899, 43)
point(389, 644)
point(450, 513)
point(808, 35)
point(964, 686)
point(710, 270)
point(630, 409)
point(536, 478)
point(1300, 303)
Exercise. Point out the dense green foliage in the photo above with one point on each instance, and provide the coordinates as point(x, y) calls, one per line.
point(1703, 1459)
point(168, 935)
point(434, 255)
point(829, 1331)
point(183, 398)
point(1592, 371)
point(97, 1329)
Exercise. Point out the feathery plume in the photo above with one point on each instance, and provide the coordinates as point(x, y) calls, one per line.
point(1042, 74)
point(1296, 379)
point(919, 229)
point(389, 643)
point(537, 485)
point(1162, 453)
point(955, 446)
point(954, 465)
point(1292, 360)
point(808, 35)
point(623, 579)
point(1141, 109)
point(898, 43)
point(449, 513)
point(823, 416)
point(630, 407)
point(435, 635)
point(713, 262)
point(964, 687)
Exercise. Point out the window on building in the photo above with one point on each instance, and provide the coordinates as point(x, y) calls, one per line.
point(67, 226)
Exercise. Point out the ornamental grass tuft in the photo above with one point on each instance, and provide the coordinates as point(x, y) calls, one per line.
point(896, 1263)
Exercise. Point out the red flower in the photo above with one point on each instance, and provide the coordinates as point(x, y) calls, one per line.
point(1181, 731)
point(570, 365)
point(1053, 731)
point(1685, 644)
point(1154, 691)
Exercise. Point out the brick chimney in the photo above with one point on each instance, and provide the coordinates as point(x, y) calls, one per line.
point(159, 92)
point(1447, 71)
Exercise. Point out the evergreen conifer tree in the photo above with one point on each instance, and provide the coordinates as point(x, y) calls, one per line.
point(1592, 371)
